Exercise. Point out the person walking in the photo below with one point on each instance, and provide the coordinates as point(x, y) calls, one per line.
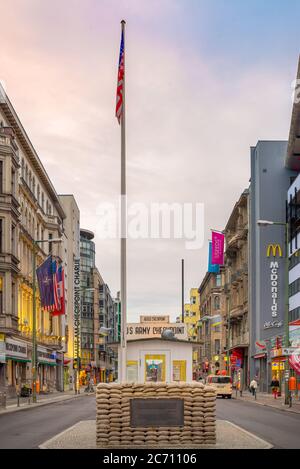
point(275, 386)
point(253, 386)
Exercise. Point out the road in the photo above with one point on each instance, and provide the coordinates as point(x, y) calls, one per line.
point(30, 428)
point(280, 428)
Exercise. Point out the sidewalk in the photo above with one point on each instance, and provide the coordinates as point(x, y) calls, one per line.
point(266, 399)
point(42, 399)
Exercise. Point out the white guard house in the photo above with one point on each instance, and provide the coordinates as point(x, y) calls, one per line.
point(159, 359)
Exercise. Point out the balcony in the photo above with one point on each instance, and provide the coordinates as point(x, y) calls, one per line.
point(237, 311)
point(241, 341)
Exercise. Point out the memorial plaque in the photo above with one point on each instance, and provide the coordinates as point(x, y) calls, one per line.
point(156, 412)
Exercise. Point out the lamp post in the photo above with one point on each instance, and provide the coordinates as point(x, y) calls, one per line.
point(34, 341)
point(286, 296)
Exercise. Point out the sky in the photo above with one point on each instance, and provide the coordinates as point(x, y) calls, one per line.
point(205, 80)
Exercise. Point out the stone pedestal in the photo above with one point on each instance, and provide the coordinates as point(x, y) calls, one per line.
point(114, 421)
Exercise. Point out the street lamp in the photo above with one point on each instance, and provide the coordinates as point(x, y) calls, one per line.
point(34, 342)
point(286, 292)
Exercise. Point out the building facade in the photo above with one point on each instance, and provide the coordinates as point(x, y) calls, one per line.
point(270, 181)
point(212, 318)
point(191, 319)
point(71, 247)
point(236, 290)
point(30, 211)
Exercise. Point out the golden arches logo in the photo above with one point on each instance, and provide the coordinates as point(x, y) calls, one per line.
point(275, 248)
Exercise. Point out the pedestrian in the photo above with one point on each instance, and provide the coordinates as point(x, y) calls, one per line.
point(253, 386)
point(275, 386)
point(91, 384)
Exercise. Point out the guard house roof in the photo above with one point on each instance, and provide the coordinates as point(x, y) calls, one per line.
point(293, 151)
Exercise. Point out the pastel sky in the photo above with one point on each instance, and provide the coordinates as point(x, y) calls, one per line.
point(205, 79)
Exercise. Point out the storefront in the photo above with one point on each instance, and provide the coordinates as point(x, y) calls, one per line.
point(239, 367)
point(159, 360)
point(46, 370)
point(16, 373)
point(277, 366)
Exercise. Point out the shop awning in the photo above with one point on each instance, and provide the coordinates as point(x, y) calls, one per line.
point(21, 360)
point(67, 361)
point(260, 355)
point(47, 363)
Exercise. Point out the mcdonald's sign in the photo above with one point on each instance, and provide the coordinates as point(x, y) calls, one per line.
point(275, 248)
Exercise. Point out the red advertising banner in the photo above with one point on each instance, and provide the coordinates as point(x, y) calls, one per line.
point(217, 248)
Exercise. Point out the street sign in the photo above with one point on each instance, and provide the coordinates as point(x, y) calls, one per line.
point(288, 351)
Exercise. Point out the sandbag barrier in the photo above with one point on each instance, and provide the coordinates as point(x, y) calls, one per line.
point(113, 415)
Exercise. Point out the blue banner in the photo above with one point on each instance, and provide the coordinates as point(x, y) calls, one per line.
point(213, 268)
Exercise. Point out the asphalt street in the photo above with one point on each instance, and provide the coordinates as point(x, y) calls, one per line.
point(280, 428)
point(30, 428)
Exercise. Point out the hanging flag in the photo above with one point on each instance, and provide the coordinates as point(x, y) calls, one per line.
point(55, 286)
point(120, 85)
point(213, 268)
point(45, 282)
point(294, 361)
point(217, 256)
point(60, 288)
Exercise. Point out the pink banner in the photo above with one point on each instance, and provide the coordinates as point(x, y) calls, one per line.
point(217, 248)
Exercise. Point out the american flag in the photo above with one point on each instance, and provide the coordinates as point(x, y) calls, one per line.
point(121, 71)
point(56, 293)
point(59, 287)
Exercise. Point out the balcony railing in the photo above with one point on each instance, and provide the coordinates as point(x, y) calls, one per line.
point(242, 339)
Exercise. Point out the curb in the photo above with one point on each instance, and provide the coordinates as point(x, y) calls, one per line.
point(268, 405)
point(40, 404)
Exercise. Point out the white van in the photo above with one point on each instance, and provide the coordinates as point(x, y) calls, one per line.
point(223, 385)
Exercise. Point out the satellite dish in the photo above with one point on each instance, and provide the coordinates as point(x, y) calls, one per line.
point(168, 334)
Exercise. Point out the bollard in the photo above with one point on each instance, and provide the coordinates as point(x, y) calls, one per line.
point(255, 394)
point(18, 400)
point(29, 399)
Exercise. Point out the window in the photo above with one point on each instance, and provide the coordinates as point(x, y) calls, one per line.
point(13, 239)
point(218, 280)
point(1, 177)
point(1, 228)
point(193, 300)
point(43, 201)
point(217, 302)
point(33, 185)
point(38, 193)
point(1, 295)
point(50, 244)
point(217, 346)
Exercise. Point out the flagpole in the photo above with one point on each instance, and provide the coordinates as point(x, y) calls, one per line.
point(123, 229)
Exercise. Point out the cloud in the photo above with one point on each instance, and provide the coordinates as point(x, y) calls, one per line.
point(191, 119)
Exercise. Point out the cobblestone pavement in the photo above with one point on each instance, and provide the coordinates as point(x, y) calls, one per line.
point(229, 436)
